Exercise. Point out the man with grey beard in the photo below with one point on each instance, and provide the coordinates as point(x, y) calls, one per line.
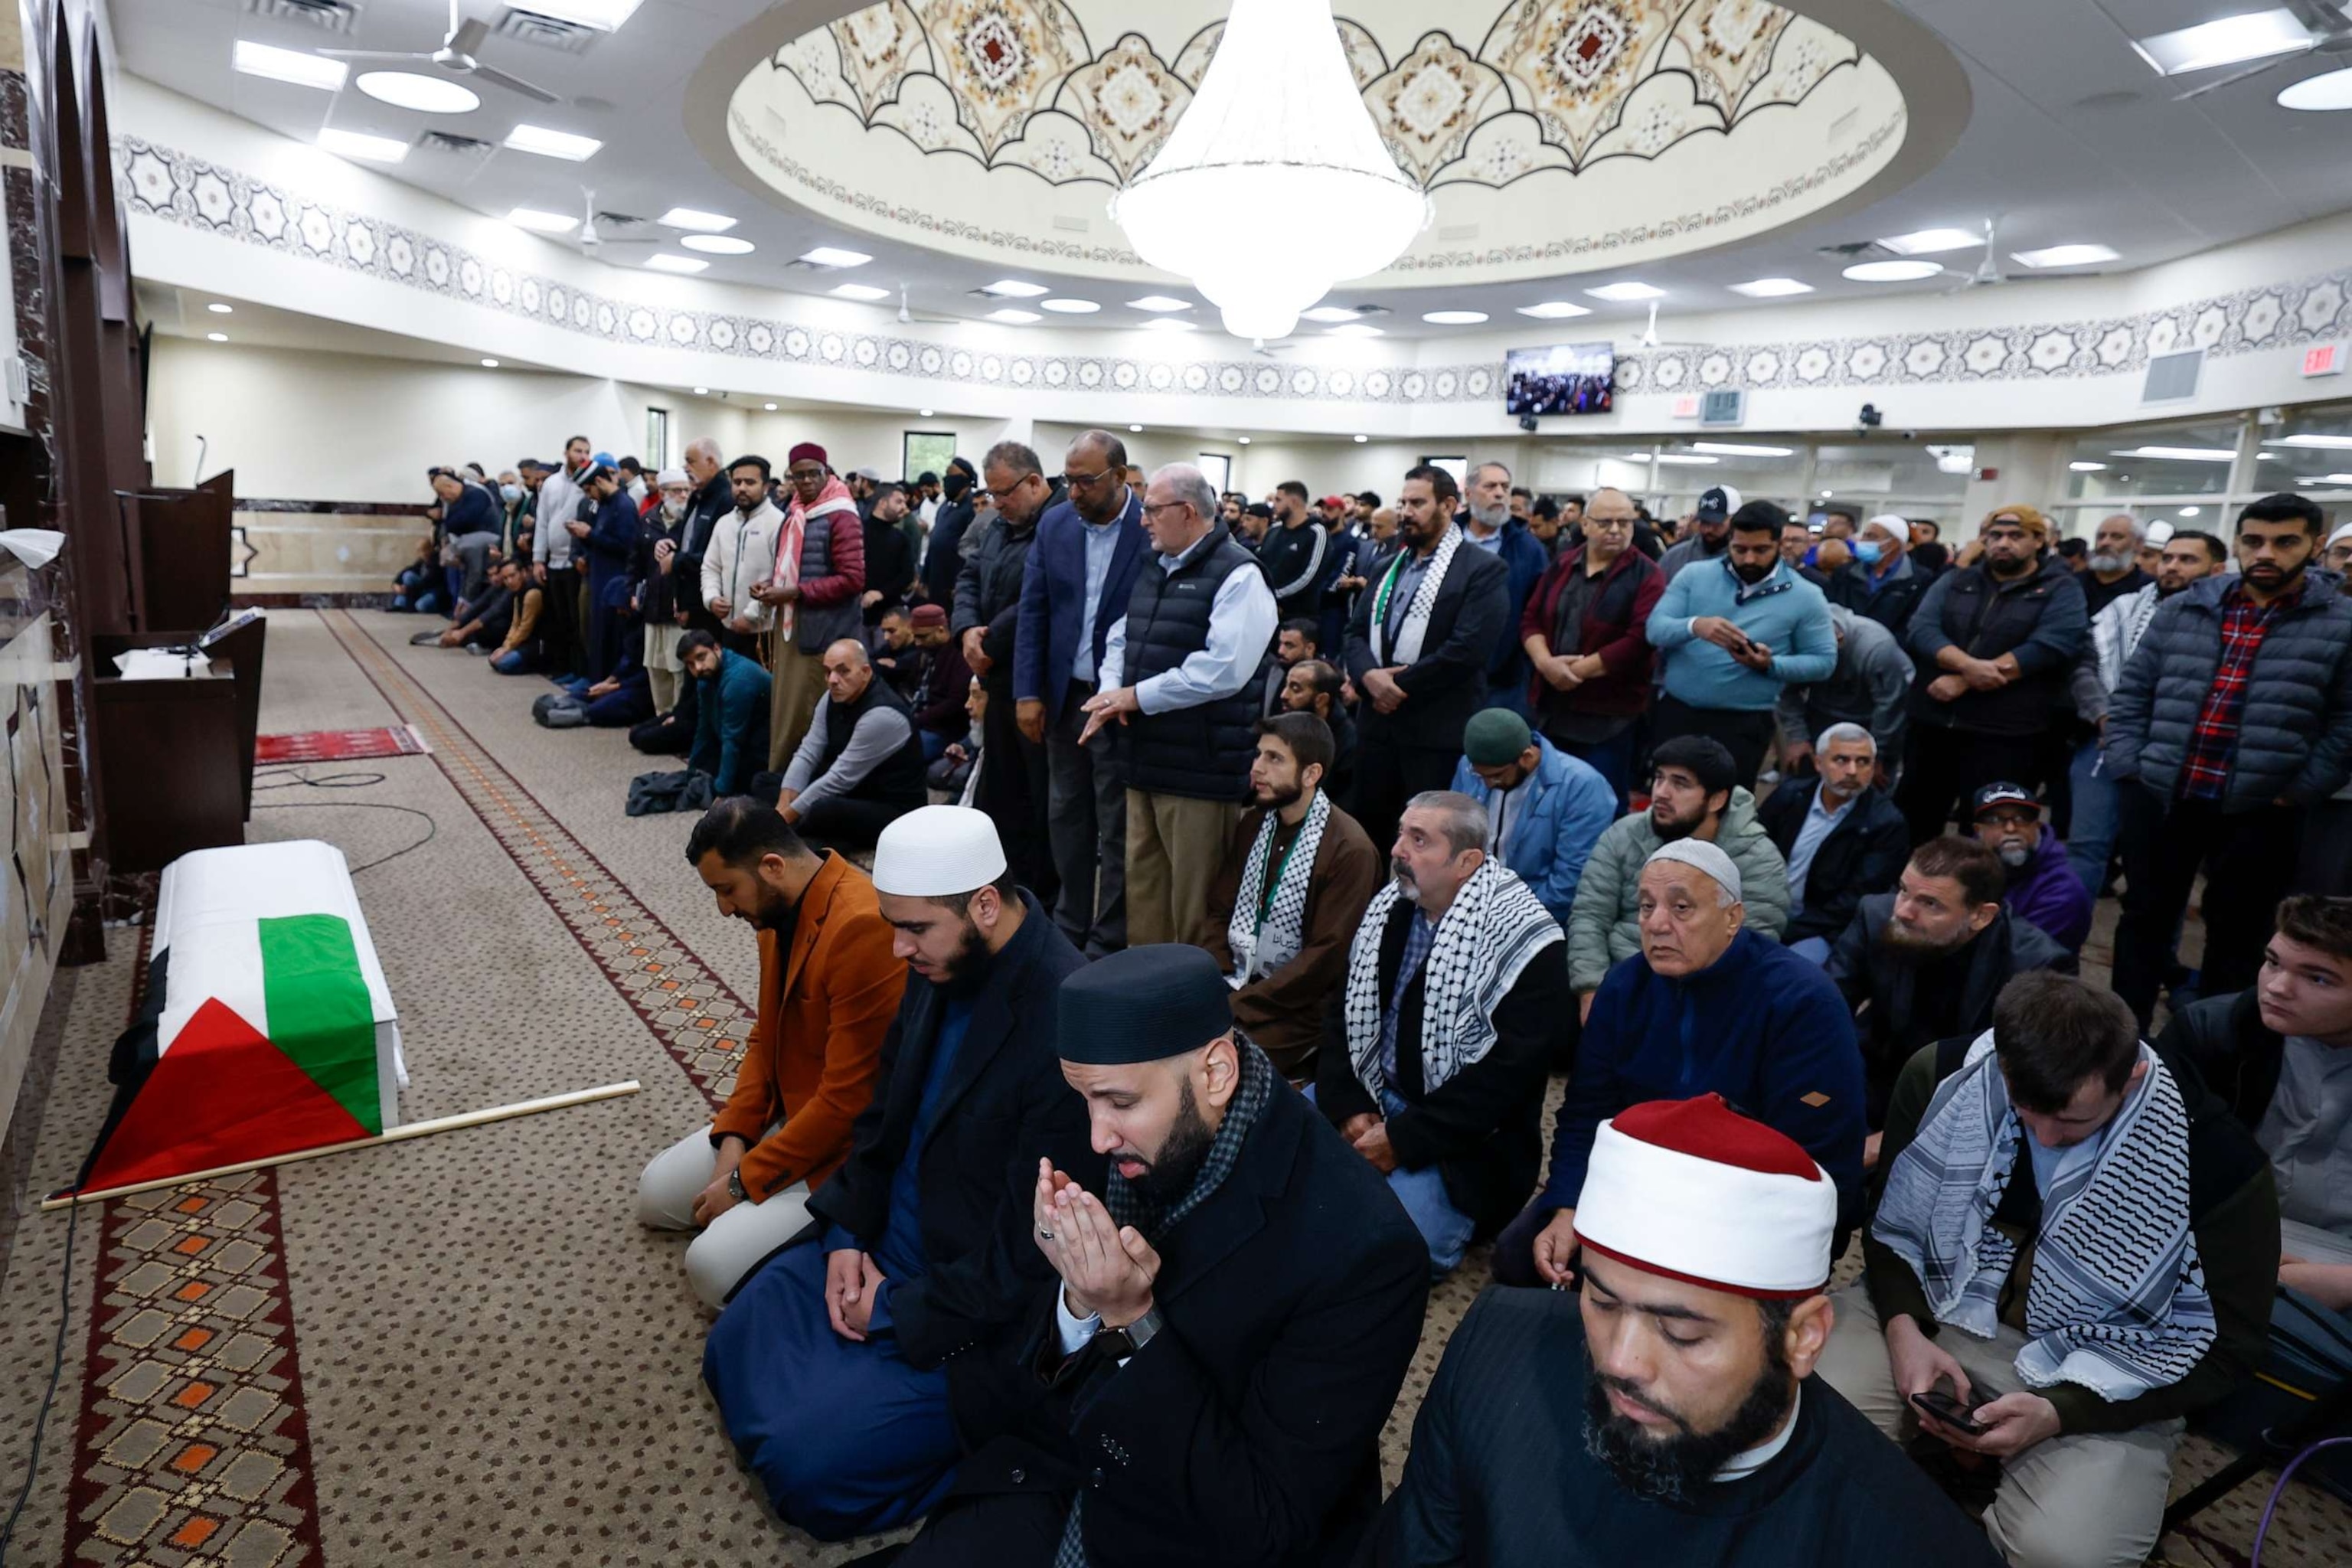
point(1487, 523)
point(2113, 569)
point(2042, 887)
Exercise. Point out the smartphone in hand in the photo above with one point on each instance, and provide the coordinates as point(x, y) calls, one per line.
point(1949, 1410)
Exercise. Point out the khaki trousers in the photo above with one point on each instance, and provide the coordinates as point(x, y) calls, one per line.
point(1174, 847)
point(733, 1244)
point(792, 701)
point(2075, 1500)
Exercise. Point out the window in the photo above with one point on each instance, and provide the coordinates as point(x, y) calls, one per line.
point(2190, 460)
point(656, 456)
point(1219, 468)
point(1458, 467)
point(926, 452)
point(2309, 451)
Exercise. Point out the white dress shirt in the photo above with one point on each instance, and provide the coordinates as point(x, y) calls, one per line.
point(1242, 620)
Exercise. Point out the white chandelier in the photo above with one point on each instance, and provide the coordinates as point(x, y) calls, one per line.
point(1276, 144)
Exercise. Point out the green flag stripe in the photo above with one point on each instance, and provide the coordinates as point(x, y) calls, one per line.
point(319, 1014)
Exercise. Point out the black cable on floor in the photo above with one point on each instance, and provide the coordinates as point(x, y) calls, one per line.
point(357, 780)
point(57, 1371)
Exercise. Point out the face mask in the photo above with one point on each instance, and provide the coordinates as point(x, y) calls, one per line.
point(512, 492)
point(1868, 551)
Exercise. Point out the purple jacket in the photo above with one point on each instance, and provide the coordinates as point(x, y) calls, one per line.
point(2048, 894)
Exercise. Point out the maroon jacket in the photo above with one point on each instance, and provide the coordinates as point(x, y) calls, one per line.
point(1615, 627)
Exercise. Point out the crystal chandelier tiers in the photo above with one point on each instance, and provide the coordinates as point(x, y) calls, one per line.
point(1277, 142)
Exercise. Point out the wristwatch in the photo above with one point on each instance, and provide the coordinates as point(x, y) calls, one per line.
point(1122, 1342)
point(735, 1187)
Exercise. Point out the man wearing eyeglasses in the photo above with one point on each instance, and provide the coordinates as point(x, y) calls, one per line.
point(1074, 587)
point(1585, 634)
point(1012, 783)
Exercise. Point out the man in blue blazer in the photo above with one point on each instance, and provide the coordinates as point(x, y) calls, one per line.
point(1073, 589)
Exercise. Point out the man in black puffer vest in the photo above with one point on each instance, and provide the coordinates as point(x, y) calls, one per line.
point(1183, 670)
point(860, 766)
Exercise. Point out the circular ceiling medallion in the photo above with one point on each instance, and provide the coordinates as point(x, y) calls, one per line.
point(1552, 136)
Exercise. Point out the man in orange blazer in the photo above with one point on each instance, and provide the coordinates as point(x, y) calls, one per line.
point(829, 986)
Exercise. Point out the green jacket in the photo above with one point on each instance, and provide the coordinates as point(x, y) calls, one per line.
point(2232, 1211)
point(1601, 926)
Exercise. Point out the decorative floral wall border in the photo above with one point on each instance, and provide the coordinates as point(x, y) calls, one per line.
point(181, 189)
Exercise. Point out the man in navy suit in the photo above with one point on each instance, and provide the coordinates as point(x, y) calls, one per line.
point(1089, 546)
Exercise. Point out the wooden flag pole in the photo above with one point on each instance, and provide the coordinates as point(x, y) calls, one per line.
point(409, 1130)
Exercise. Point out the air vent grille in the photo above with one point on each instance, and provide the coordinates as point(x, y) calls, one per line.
point(451, 143)
point(548, 32)
point(332, 15)
point(2171, 377)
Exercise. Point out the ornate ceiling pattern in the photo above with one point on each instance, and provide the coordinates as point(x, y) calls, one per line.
point(1546, 84)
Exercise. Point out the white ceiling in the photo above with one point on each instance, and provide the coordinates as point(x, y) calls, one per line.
point(2071, 137)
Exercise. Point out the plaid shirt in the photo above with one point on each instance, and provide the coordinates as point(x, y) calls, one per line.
point(2213, 742)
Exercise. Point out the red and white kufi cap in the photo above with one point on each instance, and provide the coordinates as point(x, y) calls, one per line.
point(1695, 1190)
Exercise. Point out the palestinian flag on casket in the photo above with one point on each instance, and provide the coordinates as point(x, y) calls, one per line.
point(266, 1027)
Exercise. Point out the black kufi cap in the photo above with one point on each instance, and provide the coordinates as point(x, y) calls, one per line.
point(1144, 1005)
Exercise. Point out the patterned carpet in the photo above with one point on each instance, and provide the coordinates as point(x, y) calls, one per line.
point(462, 1347)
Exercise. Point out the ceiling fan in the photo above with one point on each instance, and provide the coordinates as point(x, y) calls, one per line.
point(906, 315)
point(2331, 34)
point(1650, 339)
point(454, 55)
point(592, 239)
point(1988, 272)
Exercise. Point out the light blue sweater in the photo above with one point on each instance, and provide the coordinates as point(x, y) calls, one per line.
point(1784, 612)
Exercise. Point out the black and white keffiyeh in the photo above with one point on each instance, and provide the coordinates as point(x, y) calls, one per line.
point(1262, 946)
point(1416, 614)
point(1488, 934)
point(2117, 1301)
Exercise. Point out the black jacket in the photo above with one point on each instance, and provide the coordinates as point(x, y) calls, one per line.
point(2039, 618)
point(988, 593)
point(1448, 682)
point(2238, 1055)
point(1889, 603)
point(1006, 1106)
point(704, 509)
point(1482, 1130)
point(1863, 854)
point(1248, 1432)
point(1892, 1030)
point(889, 567)
point(943, 560)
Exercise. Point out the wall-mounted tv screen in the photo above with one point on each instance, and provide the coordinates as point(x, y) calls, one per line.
point(1566, 378)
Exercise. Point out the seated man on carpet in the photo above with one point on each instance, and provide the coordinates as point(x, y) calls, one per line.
point(1705, 1007)
point(1927, 960)
point(1235, 1314)
point(1693, 794)
point(518, 652)
point(731, 702)
point(487, 615)
point(2280, 1056)
point(1545, 809)
point(829, 985)
point(1286, 902)
point(857, 1367)
point(1668, 1411)
point(1841, 835)
point(1435, 1049)
point(946, 683)
point(2072, 1232)
point(859, 768)
point(2041, 884)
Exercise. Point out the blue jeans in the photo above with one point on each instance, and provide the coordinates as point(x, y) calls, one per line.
point(935, 745)
point(514, 661)
point(1812, 949)
point(2091, 840)
point(1613, 759)
point(1444, 1229)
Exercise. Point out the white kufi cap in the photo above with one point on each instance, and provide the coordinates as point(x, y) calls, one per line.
point(1708, 858)
point(938, 851)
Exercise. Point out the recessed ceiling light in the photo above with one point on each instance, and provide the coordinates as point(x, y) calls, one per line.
point(1330, 313)
point(922, 413)
point(425, 94)
point(1168, 324)
point(1352, 330)
point(2062, 255)
point(289, 64)
point(1554, 310)
point(1361, 439)
point(2248, 37)
point(217, 309)
point(2329, 441)
point(1621, 293)
point(355, 144)
point(702, 391)
point(718, 243)
point(1071, 307)
point(1160, 302)
point(1891, 271)
point(1243, 441)
point(2188, 512)
point(1135, 430)
point(542, 222)
point(1688, 460)
point(700, 222)
point(1454, 318)
point(604, 16)
point(865, 291)
point(2183, 454)
point(1012, 289)
point(666, 262)
point(2329, 89)
point(1012, 318)
point(1772, 288)
point(2087, 468)
point(1740, 449)
point(833, 256)
point(769, 406)
point(549, 143)
point(489, 365)
point(216, 337)
point(1826, 494)
point(1931, 241)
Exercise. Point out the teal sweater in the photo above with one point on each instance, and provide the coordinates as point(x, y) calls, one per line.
point(1784, 612)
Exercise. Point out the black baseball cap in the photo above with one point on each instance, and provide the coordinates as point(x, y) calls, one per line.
point(1719, 503)
point(1993, 796)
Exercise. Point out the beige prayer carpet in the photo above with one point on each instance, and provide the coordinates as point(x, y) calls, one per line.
point(463, 1349)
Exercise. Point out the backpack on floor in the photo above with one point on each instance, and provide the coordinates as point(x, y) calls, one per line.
point(560, 711)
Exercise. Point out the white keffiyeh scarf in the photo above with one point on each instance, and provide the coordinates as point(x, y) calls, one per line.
point(2117, 1301)
point(1261, 946)
point(1416, 614)
point(1486, 937)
